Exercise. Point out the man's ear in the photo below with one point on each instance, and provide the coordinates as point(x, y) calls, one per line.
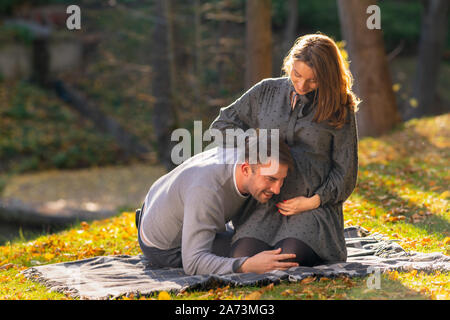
point(246, 169)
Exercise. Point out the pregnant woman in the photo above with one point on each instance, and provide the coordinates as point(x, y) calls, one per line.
point(313, 108)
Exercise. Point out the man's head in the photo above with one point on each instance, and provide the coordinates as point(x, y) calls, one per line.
point(264, 177)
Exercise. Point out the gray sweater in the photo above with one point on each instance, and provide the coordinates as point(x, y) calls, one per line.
point(188, 206)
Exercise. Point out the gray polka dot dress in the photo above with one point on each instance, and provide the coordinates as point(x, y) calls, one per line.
point(326, 163)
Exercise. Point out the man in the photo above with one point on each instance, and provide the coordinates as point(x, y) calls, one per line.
point(185, 212)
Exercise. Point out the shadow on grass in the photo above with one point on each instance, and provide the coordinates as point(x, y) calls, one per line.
point(432, 223)
point(339, 288)
point(417, 164)
point(14, 232)
point(413, 177)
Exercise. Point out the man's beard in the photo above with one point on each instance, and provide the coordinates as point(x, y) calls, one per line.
point(264, 196)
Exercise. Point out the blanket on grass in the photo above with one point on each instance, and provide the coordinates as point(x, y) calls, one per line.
point(110, 277)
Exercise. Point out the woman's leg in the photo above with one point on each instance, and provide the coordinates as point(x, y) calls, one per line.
point(222, 244)
point(305, 256)
point(247, 247)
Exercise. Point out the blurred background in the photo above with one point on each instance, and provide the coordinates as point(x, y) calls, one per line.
point(86, 115)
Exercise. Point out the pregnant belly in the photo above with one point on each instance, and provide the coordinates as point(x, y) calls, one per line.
point(303, 181)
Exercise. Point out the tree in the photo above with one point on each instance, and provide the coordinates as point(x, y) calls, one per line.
point(258, 41)
point(164, 116)
point(431, 48)
point(378, 110)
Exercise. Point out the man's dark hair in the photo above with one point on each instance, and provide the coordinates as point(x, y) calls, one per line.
point(265, 144)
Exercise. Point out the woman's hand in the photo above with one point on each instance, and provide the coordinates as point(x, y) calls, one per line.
point(298, 204)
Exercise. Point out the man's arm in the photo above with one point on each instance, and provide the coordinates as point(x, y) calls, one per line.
point(266, 261)
point(202, 220)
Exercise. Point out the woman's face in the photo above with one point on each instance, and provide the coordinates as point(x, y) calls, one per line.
point(303, 78)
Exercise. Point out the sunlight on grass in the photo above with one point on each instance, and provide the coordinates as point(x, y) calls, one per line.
point(401, 195)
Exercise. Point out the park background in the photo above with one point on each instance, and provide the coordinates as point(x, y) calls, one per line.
point(86, 117)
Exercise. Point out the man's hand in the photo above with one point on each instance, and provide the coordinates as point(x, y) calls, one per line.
point(266, 261)
point(298, 204)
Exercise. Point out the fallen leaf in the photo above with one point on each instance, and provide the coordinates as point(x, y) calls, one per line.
point(445, 194)
point(267, 288)
point(393, 275)
point(256, 295)
point(49, 256)
point(308, 280)
point(287, 292)
point(164, 295)
point(7, 266)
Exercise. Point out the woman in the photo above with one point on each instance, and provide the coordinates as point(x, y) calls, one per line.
point(314, 109)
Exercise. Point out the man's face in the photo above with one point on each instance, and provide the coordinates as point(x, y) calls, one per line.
point(263, 186)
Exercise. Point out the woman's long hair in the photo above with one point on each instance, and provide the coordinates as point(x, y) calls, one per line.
point(335, 97)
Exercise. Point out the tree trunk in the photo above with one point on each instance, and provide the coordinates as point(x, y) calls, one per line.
point(378, 111)
point(258, 41)
point(164, 118)
point(431, 49)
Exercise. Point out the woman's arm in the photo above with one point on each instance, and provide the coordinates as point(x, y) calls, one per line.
point(341, 180)
point(241, 114)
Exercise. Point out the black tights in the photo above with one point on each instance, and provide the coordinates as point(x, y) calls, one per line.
point(305, 256)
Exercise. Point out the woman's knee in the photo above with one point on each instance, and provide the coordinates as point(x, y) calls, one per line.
point(247, 247)
point(305, 255)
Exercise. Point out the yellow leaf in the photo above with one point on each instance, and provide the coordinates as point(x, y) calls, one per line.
point(393, 275)
point(256, 295)
point(413, 102)
point(164, 295)
point(396, 87)
point(287, 292)
point(49, 256)
point(373, 212)
point(447, 241)
point(445, 194)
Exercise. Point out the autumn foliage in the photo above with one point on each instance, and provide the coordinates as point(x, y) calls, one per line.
point(402, 193)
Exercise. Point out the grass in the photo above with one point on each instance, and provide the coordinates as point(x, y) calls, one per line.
point(402, 192)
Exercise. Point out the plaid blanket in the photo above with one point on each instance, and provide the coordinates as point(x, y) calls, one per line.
point(109, 277)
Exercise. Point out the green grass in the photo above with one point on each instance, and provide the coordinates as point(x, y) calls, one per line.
point(402, 192)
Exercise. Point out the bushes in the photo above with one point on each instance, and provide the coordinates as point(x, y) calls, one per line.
point(39, 132)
